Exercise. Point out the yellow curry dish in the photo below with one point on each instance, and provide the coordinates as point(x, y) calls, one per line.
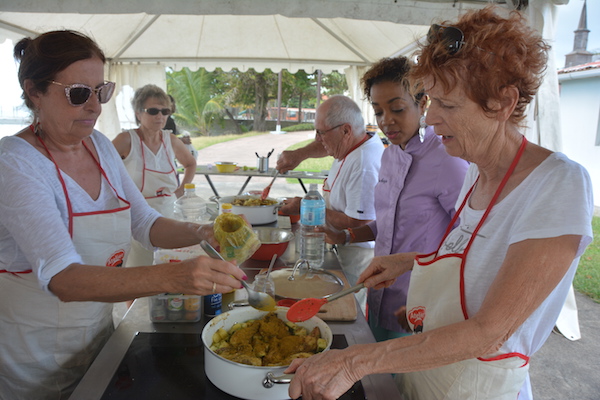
point(253, 202)
point(268, 341)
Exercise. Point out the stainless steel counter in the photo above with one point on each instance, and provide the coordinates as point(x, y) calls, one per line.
point(93, 384)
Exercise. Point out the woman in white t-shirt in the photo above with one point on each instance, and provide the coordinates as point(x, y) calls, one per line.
point(68, 210)
point(488, 298)
point(149, 153)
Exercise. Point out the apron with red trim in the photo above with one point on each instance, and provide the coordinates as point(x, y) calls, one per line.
point(53, 343)
point(157, 185)
point(436, 298)
point(353, 259)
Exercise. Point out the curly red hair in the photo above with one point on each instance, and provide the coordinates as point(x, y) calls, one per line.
point(497, 52)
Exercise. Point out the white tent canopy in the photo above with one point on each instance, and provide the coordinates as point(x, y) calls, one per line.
point(141, 38)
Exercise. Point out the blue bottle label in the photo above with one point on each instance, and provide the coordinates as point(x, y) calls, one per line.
point(312, 212)
point(212, 304)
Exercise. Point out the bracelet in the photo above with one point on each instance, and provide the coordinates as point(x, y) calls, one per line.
point(350, 236)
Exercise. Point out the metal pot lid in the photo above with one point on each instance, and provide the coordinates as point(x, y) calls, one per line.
point(307, 283)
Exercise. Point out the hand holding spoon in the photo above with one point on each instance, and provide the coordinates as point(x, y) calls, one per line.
point(309, 307)
point(259, 300)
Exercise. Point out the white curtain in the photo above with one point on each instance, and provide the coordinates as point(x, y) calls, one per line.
point(543, 114)
point(353, 75)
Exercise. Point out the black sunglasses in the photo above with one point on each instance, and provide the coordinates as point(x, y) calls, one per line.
point(78, 94)
point(155, 111)
point(452, 37)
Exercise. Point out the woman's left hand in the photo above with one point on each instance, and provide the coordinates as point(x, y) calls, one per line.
point(316, 379)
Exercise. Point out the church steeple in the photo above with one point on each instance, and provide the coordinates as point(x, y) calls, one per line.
point(580, 55)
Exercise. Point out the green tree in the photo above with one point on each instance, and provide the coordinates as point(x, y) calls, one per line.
point(255, 89)
point(198, 104)
point(302, 91)
point(334, 83)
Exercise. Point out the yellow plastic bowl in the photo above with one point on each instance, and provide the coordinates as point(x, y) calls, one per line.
point(226, 166)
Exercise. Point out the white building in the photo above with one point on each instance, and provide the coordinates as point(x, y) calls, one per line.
point(580, 106)
point(580, 118)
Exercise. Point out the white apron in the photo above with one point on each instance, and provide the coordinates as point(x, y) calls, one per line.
point(157, 187)
point(436, 298)
point(353, 259)
point(53, 342)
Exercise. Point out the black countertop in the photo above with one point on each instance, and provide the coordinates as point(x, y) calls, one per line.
point(101, 372)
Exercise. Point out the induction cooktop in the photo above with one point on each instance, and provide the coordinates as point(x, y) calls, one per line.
point(170, 366)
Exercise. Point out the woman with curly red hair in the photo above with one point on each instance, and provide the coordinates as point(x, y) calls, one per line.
point(488, 298)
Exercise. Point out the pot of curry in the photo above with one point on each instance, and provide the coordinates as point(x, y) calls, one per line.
point(247, 350)
point(256, 211)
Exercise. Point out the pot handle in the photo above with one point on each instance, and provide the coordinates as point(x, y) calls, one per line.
point(270, 380)
point(215, 199)
point(238, 303)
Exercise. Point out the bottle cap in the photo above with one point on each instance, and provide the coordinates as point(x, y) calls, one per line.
point(189, 186)
point(226, 206)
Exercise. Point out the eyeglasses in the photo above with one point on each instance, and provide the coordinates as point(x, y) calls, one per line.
point(451, 36)
point(321, 133)
point(155, 111)
point(78, 94)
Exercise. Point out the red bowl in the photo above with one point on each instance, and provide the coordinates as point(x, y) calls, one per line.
point(286, 302)
point(273, 241)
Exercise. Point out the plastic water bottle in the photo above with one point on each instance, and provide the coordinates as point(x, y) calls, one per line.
point(312, 217)
point(190, 207)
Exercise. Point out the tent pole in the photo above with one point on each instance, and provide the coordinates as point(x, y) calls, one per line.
point(318, 88)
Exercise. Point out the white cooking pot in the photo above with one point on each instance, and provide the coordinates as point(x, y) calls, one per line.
point(248, 381)
point(256, 215)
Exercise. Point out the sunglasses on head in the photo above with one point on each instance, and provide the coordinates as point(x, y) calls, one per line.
point(78, 94)
point(155, 111)
point(452, 37)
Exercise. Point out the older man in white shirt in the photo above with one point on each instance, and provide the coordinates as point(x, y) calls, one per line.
point(348, 190)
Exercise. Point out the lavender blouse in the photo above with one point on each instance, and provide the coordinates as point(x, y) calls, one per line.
point(414, 203)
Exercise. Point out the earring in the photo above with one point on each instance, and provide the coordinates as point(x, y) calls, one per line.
point(422, 126)
point(37, 125)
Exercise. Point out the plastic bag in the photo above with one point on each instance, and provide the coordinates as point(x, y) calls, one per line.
point(236, 238)
point(163, 256)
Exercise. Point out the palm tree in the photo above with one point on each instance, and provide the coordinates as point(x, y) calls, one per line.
point(198, 106)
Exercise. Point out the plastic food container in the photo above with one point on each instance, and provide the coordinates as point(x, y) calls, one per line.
point(226, 166)
point(175, 308)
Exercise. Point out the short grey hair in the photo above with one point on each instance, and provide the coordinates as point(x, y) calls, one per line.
point(146, 92)
point(343, 110)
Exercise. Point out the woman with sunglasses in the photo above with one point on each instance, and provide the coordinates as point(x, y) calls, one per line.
point(149, 153)
point(487, 299)
point(68, 210)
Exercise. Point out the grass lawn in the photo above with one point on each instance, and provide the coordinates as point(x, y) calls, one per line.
point(311, 164)
point(587, 278)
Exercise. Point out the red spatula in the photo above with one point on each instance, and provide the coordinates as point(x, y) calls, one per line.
point(309, 307)
point(265, 192)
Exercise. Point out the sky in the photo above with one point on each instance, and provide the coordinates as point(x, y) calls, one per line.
point(567, 22)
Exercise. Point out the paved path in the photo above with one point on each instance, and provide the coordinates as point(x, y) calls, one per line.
point(560, 370)
point(243, 152)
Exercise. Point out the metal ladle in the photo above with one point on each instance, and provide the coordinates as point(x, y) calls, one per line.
point(259, 300)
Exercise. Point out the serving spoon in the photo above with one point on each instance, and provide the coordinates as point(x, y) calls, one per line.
point(309, 307)
point(259, 300)
point(265, 192)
